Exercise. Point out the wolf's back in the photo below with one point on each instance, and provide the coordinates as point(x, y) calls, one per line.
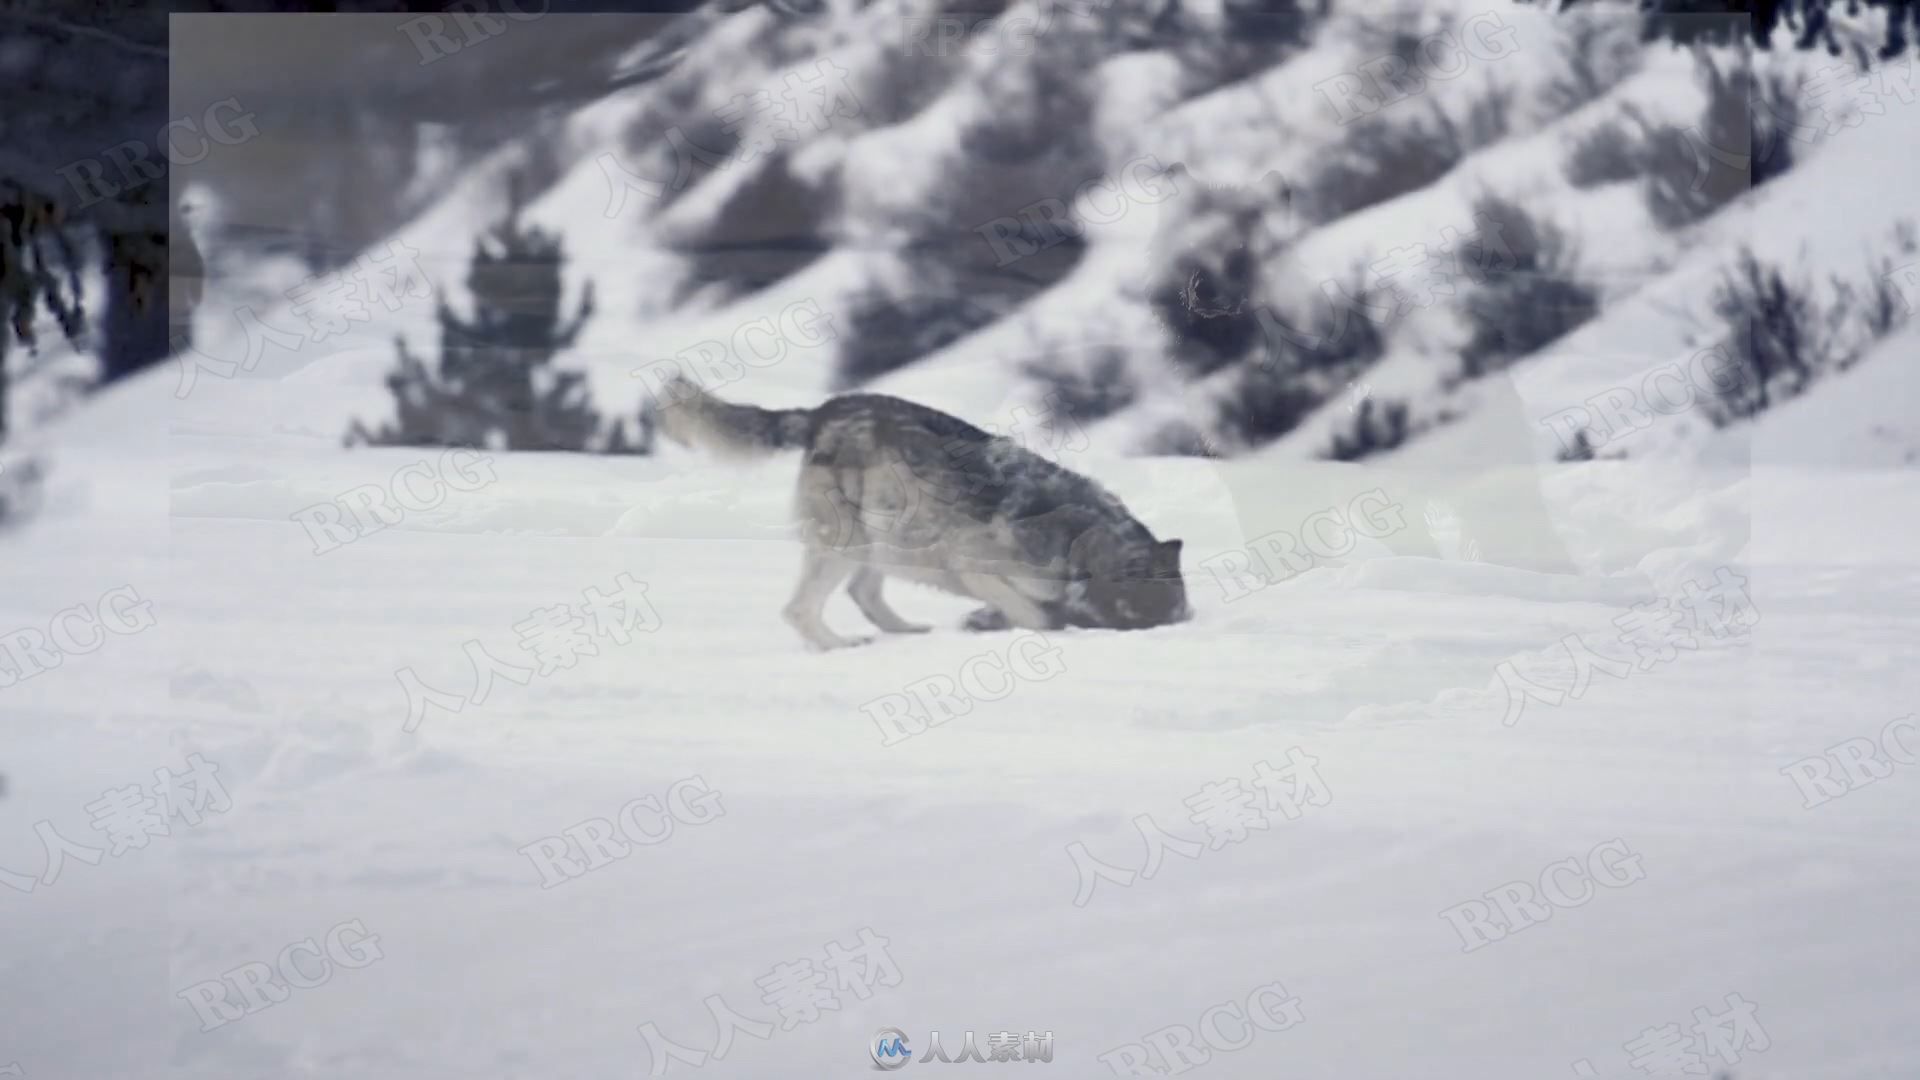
point(696, 419)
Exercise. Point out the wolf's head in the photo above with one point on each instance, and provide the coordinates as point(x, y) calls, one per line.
point(1125, 584)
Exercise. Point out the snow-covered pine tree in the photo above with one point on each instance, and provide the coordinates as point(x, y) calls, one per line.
point(39, 269)
point(495, 385)
point(1809, 22)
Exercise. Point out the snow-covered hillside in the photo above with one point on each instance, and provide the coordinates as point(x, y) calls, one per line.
point(876, 217)
point(1869, 419)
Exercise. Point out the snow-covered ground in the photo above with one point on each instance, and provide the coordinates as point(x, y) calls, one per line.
point(414, 860)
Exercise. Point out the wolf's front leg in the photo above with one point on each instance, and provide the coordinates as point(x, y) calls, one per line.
point(987, 620)
point(821, 572)
point(865, 591)
point(1009, 603)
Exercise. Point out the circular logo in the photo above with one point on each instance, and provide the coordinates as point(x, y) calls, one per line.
point(889, 1049)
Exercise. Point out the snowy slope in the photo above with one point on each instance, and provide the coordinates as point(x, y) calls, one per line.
point(1867, 418)
point(1825, 218)
point(1608, 227)
point(889, 169)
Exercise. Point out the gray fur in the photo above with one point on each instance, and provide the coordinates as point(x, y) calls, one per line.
point(740, 432)
point(889, 488)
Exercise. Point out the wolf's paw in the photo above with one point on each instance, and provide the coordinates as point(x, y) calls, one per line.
point(821, 643)
point(986, 620)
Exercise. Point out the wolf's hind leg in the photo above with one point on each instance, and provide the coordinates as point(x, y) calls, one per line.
point(865, 590)
point(997, 592)
point(821, 572)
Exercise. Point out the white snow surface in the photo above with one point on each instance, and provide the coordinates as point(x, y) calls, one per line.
point(278, 665)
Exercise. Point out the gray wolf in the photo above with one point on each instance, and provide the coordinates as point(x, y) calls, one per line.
point(889, 488)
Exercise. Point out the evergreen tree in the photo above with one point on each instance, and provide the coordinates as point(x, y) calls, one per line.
point(1709, 21)
point(495, 385)
point(38, 268)
point(65, 198)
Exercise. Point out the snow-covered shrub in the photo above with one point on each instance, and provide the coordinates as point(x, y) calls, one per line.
point(1040, 105)
point(1024, 147)
point(1779, 332)
point(1087, 387)
point(897, 82)
point(1205, 266)
point(1605, 154)
point(884, 331)
point(1882, 306)
point(1180, 439)
point(1740, 143)
point(1372, 431)
point(1532, 290)
point(768, 227)
point(1382, 157)
point(653, 148)
point(1239, 38)
point(1682, 182)
point(1295, 369)
point(1207, 276)
point(1264, 405)
point(1785, 333)
point(1689, 172)
point(1597, 49)
point(1775, 111)
point(1397, 150)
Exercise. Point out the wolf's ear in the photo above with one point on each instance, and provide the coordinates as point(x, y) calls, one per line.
point(679, 390)
point(1166, 557)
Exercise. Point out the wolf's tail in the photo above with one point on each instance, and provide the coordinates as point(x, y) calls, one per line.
point(694, 418)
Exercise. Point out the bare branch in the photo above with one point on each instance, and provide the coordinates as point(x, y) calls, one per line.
point(60, 26)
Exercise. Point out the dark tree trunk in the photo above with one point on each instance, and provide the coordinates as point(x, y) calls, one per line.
point(135, 326)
